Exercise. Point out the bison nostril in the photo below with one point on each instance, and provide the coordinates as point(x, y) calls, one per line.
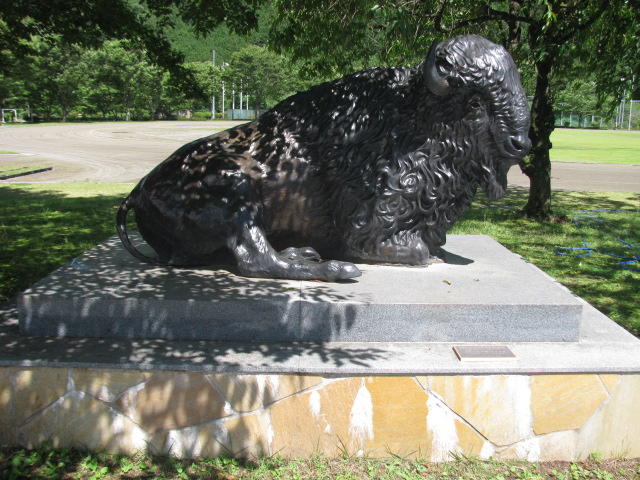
point(518, 144)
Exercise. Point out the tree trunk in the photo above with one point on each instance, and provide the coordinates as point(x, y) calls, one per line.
point(537, 165)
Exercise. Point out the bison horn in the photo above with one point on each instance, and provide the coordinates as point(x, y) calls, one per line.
point(435, 83)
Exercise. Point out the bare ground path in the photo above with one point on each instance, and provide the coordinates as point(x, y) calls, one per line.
point(125, 152)
point(586, 177)
point(99, 152)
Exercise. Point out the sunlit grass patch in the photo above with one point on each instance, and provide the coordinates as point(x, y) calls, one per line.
point(12, 171)
point(596, 146)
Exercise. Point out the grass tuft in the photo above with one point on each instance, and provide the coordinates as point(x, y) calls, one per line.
point(63, 463)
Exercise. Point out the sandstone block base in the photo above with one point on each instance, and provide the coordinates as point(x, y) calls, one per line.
point(532, 417)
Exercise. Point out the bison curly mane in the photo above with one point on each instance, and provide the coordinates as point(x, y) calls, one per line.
point(398, 162)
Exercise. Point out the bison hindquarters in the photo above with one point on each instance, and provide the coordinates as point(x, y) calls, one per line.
point(247, 241)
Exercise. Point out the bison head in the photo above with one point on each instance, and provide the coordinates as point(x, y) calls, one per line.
point(480, 80)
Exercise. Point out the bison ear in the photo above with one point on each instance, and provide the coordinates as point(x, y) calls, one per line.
point(435, 83)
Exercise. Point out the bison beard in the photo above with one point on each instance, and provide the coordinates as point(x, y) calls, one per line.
point(373, 167)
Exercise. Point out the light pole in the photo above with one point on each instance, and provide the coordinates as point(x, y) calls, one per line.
point(213, 93)
point(223, 90)
point(633, 81)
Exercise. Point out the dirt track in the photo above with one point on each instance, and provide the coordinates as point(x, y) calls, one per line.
point(98, 152)
point(586, 177)
point(125, 152)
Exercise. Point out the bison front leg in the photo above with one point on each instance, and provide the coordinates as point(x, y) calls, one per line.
point(304, 253)
point(398, 250)
point(414, 252)
point(257, 258)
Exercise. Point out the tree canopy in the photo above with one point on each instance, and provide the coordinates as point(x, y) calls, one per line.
point(91, 22)
point(117, 81)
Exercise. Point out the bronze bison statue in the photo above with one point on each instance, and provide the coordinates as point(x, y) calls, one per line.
point(374, 167)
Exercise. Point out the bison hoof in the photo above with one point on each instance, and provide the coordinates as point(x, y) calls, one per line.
point(413, 253)
point(335, 270)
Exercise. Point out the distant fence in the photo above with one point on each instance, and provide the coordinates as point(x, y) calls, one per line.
point(242, 114)
point(627, 118)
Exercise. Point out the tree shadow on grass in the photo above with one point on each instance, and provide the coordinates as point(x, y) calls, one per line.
point(42, 230)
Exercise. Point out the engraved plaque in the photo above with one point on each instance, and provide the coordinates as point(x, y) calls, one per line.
point(484, 353)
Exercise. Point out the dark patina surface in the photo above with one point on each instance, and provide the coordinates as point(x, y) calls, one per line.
point(374, 167)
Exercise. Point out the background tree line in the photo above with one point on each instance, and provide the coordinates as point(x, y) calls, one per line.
point(117, 81)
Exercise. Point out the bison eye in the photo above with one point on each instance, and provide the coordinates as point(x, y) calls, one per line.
point(475, 103)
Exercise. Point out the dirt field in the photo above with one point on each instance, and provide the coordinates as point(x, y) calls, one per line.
point(125, 152)
point(98, 152)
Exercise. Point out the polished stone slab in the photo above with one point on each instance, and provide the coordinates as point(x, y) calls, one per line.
point(604, 347)
point(483, 293)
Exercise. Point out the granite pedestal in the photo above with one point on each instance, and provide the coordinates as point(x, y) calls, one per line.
point(483, 293)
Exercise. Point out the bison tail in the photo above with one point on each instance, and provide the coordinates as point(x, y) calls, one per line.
point(121, 225)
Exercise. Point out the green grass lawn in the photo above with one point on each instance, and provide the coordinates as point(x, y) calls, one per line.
point(61, 463)
point(43, 226)
point(596, 146)
point(9, 171)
